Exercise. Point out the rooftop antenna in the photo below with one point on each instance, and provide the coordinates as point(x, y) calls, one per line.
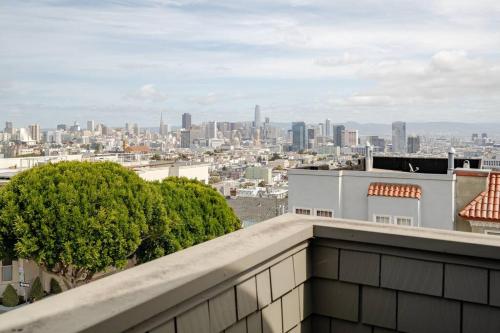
point(412, 170)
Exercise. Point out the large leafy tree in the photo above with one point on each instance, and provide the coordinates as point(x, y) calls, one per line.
point(77, 218)
point(197, 213)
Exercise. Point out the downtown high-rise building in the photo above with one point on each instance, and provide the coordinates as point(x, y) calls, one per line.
point(413, 144)
point(328, 128)
point(186, 121)
point(62, 127)
point(211, 130)
point(34, 132)
point(339, 135)
point(163, 127)
point(185, 138)
point(9, 128)
point(299, 137)
point(399, 137)
point(351, 137)
point(257, 120)
point(90, 125)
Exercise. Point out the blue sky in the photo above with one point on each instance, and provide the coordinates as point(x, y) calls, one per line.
point(366, 61)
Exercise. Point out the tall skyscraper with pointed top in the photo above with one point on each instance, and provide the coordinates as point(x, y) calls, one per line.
point(163, 126)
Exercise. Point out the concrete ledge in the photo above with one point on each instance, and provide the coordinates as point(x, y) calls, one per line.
point(123, 300)
point(168, 286)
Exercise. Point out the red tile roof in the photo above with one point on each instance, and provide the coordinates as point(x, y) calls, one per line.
point(486, 206)
point(395, 190)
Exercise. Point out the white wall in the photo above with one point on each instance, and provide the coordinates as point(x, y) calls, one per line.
point(154, 174)
point(199, 172)
point(316, 189)
point(394, 207)
point(346, 192)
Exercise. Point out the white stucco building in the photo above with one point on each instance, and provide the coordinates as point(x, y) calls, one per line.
point(424, 200)
point(191, 171)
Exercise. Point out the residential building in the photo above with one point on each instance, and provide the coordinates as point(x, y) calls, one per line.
point(263, 173)
point(416, 192)
point(399, 137)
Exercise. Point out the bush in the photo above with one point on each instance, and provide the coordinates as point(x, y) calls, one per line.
point(55, 287)
point(9, 297)
point(36, 292)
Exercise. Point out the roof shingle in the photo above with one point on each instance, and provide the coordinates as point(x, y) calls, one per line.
point(486, 206)
point(395, 190)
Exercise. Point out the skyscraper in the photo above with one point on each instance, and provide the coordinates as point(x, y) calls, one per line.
point(35, 132)
point(399, 137)
point(9, 128)
point(299, 137)
point(328, 128)
point(413, 144)
point(90, 125)
point(163, 126)
point(351, 137)
point(211, 130)
point(257, 122)
point(186, 121)
point(339, 135)
point(185, 139)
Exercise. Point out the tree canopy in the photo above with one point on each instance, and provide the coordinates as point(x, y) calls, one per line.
point(76, 218)
point(197, 213)
point(79, 218)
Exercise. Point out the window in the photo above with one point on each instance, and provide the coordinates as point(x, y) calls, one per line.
point(302, 211)
point(382, 219)
point(7, 270)
point(400, 220)
point(324, 213)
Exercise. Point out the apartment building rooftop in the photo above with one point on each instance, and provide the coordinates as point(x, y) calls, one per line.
point(292, 274)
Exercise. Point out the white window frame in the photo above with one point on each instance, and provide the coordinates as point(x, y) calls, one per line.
point(492, 232)
point(324, 210)
point(403, 217)
point(311, 211)
point(382, 215)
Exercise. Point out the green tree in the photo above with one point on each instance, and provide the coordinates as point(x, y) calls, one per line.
point(197, 213)
point(78, 218)
point(36, 291)
point(9, 297)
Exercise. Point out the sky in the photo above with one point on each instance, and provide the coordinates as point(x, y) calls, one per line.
point(366, 60)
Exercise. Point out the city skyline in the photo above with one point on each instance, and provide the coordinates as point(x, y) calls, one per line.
point(299, 60)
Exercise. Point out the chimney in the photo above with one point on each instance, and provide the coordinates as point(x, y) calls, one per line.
point(369, 157)
point(451, 160)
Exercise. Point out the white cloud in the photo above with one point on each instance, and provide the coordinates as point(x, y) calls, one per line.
point(148, 93)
